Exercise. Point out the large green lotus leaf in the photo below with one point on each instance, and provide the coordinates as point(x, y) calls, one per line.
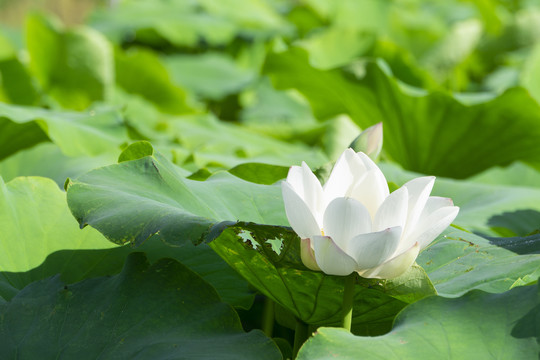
point(36, 222)
point(47, 160)
point(515, 221)
point(415, 121)
point(75, 66)
point(148, 196)
point(269, 258)
point(474, 326)
point(137, 199)
point(161, 311)
point(40, 238)
point(209, 75)
point(77, 134)
point(141, 72)
point(460, 261)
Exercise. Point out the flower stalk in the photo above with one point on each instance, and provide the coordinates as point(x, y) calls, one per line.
point(301, 334)
point(348, 300)
point(268, 317)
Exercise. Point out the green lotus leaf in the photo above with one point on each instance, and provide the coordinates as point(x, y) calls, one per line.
point(429, 132)
point(134, 200)
point(477, 325)
point(149, 312)
point(76, 133)
point(40, 238)
point(269, 258)
point(74, 66)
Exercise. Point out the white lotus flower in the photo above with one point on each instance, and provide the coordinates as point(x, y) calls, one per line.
point(353, 223)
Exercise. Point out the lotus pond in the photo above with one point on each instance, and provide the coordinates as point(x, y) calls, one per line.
point(270, 179)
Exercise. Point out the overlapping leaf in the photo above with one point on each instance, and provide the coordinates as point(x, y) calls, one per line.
point(461, 261)
point(149, 312)
point(474, 326)
point(269, 258)
point(35, 223)
point(40, 238)
point(75, 67)
point(428, 132)
point(76, 133)
point(47, 160)
point(134, 200)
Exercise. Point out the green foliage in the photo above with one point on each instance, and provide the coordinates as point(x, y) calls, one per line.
point(269, 258)
point(175, 121)
point(74, 67)
point(260, 173)
point(149, 311)
point(223, 76)
point(76, 133)
point(141, 72)
point(188, 24)
point(475, 326)
point(460, 261)
point(428, 132)
point(166, 204)
point(33, 211)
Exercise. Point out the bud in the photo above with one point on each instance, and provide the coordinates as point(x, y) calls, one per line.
point(369, 141)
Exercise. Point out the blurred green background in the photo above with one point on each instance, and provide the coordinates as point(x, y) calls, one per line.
point(234, 90)
point(214, 84)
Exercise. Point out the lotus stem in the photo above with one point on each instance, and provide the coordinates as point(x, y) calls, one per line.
point(301, 334)
point(268, 317)
point(348, 300)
